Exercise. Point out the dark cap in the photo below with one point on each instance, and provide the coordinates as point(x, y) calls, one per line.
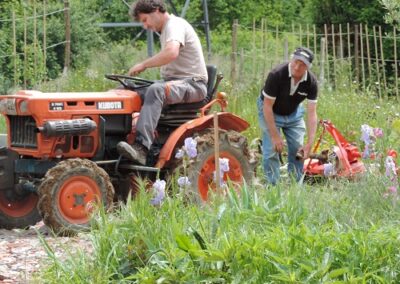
point(304, 54)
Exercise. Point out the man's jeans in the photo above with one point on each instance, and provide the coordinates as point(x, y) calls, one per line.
point(293, 127)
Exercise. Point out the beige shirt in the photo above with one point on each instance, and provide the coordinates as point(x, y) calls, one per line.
point(190, 61)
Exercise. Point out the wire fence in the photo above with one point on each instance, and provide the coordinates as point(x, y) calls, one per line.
point(345, 55)
point(28, 52)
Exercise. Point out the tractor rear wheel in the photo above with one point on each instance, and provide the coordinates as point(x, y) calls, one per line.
point(69, 192)
point(18, 211)
point(200, 170)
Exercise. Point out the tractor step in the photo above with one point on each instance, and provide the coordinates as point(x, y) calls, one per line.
point(129, 166)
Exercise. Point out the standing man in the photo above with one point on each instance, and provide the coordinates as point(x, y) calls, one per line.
point(183, 71)
point(280, 108)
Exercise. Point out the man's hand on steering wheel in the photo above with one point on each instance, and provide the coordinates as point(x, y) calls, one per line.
point(135, 70)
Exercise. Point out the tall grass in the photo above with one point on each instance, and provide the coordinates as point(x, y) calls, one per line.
point(334, 232)
point(339, 232)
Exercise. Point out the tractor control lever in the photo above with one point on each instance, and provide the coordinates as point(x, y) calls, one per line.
point(217, 81)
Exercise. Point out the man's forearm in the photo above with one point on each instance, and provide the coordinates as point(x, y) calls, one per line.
point(312, 122)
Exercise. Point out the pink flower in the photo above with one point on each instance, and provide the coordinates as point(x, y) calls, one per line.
point(378, 132)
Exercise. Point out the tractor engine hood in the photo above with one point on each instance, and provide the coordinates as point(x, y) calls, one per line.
point(117, 101)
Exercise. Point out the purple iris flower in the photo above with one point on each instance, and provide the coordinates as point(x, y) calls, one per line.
point(159, 190)
point(183, 182)
point(190, 147)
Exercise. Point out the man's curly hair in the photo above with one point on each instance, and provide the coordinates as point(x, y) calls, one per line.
point(146, 7)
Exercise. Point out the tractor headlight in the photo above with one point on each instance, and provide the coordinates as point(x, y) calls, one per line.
point(8, 106)
point(23, 106)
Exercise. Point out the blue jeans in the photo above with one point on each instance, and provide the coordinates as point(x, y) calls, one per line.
point(293, 127)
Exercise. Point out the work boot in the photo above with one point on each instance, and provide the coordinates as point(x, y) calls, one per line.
point(136, 152)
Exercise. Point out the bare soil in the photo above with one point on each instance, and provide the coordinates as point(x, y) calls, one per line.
point(22, 253)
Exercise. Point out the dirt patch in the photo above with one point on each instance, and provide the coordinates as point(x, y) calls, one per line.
point(22, 253)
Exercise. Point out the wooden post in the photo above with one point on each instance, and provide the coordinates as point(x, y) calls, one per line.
point(285, 50)
point(362, 57)
point(368, 54)
point(216, 153)
point(241, 65)
point(294, 35)
point(377, 64)
point(25, 52)
point(234, 51)
point(254, 67)
point(262, 48)
point(276, 44)
point(383, 60)
point(326, 52)
point(67, 61)
point(334, 55)
point(308, 37)
point(396, 74)
point(265, 50)
point(356, 59)
point(322, 63)
point(315, 39)
point(15, 50)
point(349, 56)
point(35, 73)
point(44, 40)
point(340, 42)
point(300, 35)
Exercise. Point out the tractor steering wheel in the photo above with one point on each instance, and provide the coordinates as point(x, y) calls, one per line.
point(131, 83)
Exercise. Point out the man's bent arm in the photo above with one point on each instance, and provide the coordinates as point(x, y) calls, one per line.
point(165, 56)
point(311, 126)
point(270, 121)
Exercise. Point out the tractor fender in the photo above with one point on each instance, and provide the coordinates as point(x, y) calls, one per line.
point(226, 121)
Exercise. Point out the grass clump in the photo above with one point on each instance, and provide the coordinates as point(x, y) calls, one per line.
point(283, 234)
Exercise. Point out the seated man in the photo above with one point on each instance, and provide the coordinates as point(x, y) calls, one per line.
point(183, 71)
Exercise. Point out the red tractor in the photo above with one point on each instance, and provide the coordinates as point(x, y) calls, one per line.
point(61, 152)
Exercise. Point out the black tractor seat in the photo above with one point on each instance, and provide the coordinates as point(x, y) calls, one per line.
point(177, 114)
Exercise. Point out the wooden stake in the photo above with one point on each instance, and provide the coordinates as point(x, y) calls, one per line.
point(383, 61)
point(334, 54)
point(396, 74)
point(276, 45)
point(322, 63)
point(340, 42)
point(35, 61)
point(44, 41)
point(362, 57)
point(356, 50)
point(25, 52)
point(15, 50)
point(377, 64)
point(67, 61)
point(349, 56)
point(326, 52)
point(254, 50)
point(234, 51)
point(315, 39)
point(368, 54)
point(216, 151)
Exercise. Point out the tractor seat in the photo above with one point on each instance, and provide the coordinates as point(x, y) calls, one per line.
point(177, 114)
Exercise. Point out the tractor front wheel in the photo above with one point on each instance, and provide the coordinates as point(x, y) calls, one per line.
point(18, 211)
point(201, 169)
point(69, 193)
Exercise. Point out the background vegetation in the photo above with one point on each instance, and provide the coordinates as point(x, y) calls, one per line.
point(338, 231)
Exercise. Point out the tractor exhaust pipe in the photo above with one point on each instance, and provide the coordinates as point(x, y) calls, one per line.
point(70, 127)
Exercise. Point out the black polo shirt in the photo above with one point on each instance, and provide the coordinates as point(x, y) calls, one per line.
point(278, 85)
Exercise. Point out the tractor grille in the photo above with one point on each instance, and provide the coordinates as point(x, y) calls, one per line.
point(22, 130)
